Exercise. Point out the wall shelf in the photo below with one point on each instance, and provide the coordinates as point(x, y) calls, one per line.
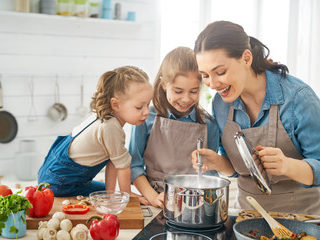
point(35, 23)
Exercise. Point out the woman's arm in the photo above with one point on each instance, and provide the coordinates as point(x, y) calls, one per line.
point(276, 163)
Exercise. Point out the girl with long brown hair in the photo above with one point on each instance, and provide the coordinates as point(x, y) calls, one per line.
point(162, 145)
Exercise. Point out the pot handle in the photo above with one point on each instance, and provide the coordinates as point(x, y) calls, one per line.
point(146, 211)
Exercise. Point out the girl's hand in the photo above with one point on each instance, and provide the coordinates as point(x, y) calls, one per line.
point(274, 161)
point(142, 199)
point(157, 201)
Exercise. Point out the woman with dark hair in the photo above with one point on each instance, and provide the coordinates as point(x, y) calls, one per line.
point(278, 113)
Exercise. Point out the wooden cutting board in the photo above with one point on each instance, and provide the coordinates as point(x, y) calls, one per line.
point(130, 218)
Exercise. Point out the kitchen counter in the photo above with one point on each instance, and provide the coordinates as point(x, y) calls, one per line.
point(124, 234)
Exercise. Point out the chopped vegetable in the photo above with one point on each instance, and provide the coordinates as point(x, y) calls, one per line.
point(75, 209)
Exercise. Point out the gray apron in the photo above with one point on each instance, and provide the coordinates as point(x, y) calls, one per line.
point(286, 194)
point(169, 149)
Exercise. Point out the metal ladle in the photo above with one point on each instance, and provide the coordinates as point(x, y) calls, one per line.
point(82, 110)
point(199, 146)
point(32, 113)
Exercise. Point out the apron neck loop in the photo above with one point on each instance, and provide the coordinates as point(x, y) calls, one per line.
point(231, 111)
point(272, 126)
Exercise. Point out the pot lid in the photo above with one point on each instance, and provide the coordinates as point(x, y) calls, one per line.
point(251, 159)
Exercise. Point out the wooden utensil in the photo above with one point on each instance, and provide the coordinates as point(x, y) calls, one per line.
point(278, 230)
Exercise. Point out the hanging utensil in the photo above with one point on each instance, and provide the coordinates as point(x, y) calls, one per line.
point(8, 123)
point(82, 110)
point(32, 113)
point(278, 229)
point(58, 111)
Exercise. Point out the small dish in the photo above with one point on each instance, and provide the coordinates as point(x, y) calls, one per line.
point(109, 202)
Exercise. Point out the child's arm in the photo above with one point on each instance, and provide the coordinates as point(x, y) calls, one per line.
point(144, 187)
point(123, 175)
point(124, 179)
point(110, 176)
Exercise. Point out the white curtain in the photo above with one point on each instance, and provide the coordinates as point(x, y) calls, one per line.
point(304, 41)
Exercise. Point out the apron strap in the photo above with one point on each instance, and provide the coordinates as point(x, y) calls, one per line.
point(231, 112)
point(85, 128)
point(272, 127)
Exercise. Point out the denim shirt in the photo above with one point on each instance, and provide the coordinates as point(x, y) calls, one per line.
point(140, 134)
point(299, 109)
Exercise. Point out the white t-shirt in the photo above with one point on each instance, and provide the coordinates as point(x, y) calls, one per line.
point(99, 142)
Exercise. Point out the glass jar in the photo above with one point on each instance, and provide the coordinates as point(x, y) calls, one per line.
point(94, 8)
point(81, 8)
point(64, 7)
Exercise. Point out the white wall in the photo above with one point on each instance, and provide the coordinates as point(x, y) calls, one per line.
point(45, 48)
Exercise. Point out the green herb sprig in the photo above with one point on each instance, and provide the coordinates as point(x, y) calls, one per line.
point(12, 204)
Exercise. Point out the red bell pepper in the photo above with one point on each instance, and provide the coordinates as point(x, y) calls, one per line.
point(105, 228)
point(41, 198)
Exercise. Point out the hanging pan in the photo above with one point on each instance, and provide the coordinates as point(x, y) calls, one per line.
point(8, 123)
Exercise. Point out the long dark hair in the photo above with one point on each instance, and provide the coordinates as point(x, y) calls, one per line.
point(180, 61)
point(232, 38)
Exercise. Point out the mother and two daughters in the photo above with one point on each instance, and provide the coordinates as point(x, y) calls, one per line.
point(277, 112)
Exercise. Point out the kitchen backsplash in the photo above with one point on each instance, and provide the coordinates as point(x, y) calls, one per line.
point(37, 51)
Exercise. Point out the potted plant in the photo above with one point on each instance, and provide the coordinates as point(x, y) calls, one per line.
point(13, 210)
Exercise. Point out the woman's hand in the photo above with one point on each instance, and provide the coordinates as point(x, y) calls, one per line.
point(211, 161)
point(274, 161)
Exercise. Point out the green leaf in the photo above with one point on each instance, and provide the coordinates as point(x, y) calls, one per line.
point(23, 219)
point(13, 229)
point(1, 226)
point(12, 204)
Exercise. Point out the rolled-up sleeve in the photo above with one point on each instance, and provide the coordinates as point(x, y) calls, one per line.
point(138, 141)
point(306, 129)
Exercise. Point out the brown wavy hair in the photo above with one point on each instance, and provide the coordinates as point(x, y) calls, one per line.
point(113, 83)
point(180, 61)
point(233, 39)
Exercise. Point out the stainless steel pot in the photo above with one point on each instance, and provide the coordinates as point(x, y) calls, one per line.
point(193, 202)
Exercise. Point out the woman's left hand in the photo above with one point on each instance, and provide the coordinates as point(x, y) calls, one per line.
point(273, 159)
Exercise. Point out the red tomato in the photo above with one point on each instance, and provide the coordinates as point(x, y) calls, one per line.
point(5, 190)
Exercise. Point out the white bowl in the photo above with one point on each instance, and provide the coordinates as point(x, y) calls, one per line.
point(109, 202)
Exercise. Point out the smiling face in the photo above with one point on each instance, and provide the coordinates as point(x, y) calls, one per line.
point(183, 92)
point(133, 107)
point(228, 76)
